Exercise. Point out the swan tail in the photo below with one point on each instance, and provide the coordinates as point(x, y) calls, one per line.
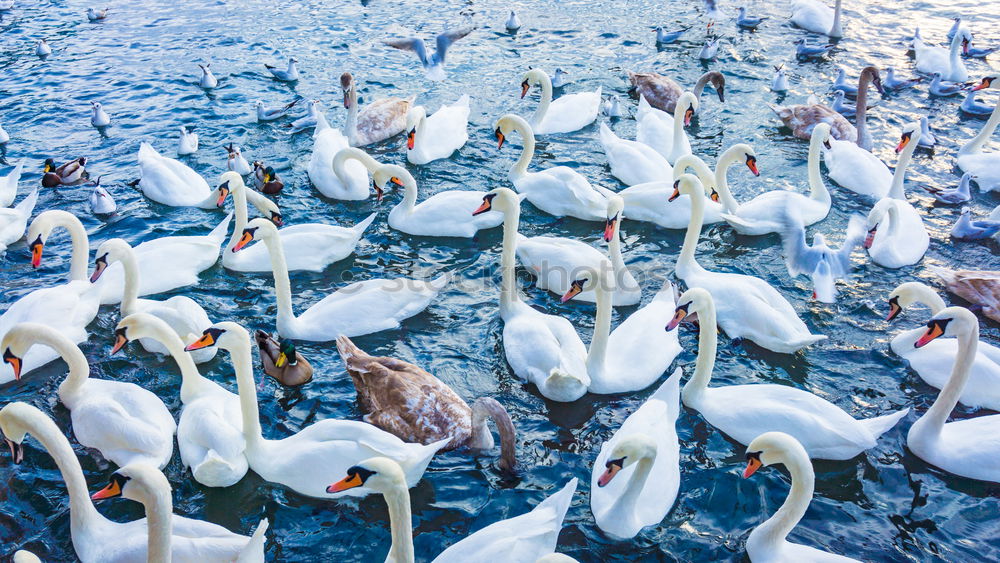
point(607, 136)
point(565, 386)
point(806, 341)
point(463, 101)
point(361, 227)
point(216, 471)
point(417, 462)
point(782, 112)
point(881, 424)
point(146, 151)
point(946, 275)
point(559, 502)
point(221, 230)
point(736, 221)
point(253, 551)
point(27, 205)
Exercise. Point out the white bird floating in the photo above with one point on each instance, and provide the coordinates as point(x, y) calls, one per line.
point(99, 117)
point(188, 143)
point(208, 80)
point(97, 15)
point(101, 202)
point(42, 49)
point(290, 74)
point(513, 22)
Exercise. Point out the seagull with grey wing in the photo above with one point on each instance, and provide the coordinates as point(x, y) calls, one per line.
point(823, 265)
point(433, 63)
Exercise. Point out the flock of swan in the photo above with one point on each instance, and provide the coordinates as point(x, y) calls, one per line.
point(410, 414)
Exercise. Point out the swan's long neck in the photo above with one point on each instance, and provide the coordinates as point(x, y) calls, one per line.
point(243, 366)
point(192, 382)
point(699, 87)
point(722, 182)
point(282, 284)
point(864, 139)
point(520, 167)
point(686, 259)
point(899, 174)
point(159, 525)
point(937, 415)
point(776, 528)
point(130, 293)
point(954, 53)
point(508, 278)
point(893, 214)
point(82, 512)
point(482, 408)
point(240, 209)
point(597, 353)
point(615, 253)
point(79, 370)
point(836, 30)
point(80, 243)
point(400, 524)
point(817, 188)
point(679, 121)
point(976, 144)
point(708, 342)
point(630, 497)
point(343, 155)
point(543, 105)
point(351, 124)
point(409, 193)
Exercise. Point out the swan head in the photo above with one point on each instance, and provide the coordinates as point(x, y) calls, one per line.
point(507, 125)
point(228, 182)
point(109, 252)
point(500, 199)
point(744, 152)
point(687, 184)
point(379, 474)
point(390, 173)
point(140, 325)
point(910, 134)
point(15, 422)
point(414, 118)
point(627, 451)
point(873, 75)
point(226, 335)
point(875, 218)
point(951, 321)
point(138, 481)
point(770, 448)
point(904, 295)
point(718, 82)
point(821, 133)
point(347, 85)
point(687, 106)
point(689, 303)
point(985, 83)
point(21, 337)
point(615, 207)
point(256, 229)
point(42, 226)
point(588, 279)
point(533, 77)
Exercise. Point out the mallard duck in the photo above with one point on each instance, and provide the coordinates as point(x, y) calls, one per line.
point(69, 173)
point(272, 185)
point(979, 287)
point(407, 401)
point(282, 361)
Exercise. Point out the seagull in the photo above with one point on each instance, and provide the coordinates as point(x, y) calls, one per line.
point(101, 202)
point(270, 114)
point(806, 51)
point(612, 107)
point(890, 82)
point(709, 49)
point(559, 78)
point(664, 37)
point(977, 52)
point(944, 88)
point(208, 80)
point(843, 107)
point(821, 263)
point(290, 74)
point(780, 82)
point(712, 11)
point(188, 142)
point(235, 161)
point(961, 194)
point(748, 22)
point(968, 229)
point(99, 117)
point(513, 22)
point(433, 64)
point(842, 84)
point(97, 15)
point(972, 107)
point(42, 49)
point(928, 139)
point(985, 83)
point(313, 117)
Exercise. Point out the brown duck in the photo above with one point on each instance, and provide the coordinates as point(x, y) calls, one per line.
point(72, 172)
point(282, 361)
point(415, 406)
point(979, 287)
point(662, 93)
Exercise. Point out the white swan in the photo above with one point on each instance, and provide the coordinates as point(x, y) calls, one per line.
point(99, 540)
point(14, 220)
point(761, 215)
point(560, 190)
point(541, 349)
point(769, 541)
point(633, 162)
point(171, 182)
point(570, 112)
point(67, 308)
point(444, 214)
point(665, 133)
point(969, 447)
point(750, 307)
point(931, 59)
point(817, 17)
point(382, 119)
point(556, 261)
point(349, 180)
point(637, 353)
point(824, 429)
point(123, 421)
point(905, 240)
point(636, 475)
point(306, 246)
point(181, 313)
point(437, 136)
point(8, 184)
point(527, 537)
point(210, 427)
point(934, 361)
point(305, 461)
point(650, 202)
point(984, 166)
point(360, 308)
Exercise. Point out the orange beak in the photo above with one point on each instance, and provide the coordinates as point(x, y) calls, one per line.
point(500, 138)
point(246, 239)
point(753, 464)
point(14, 361)
point(870, 238)
point(276, 219)
point(608, 475)
point(36, 253)
point(410, 138)
point(111, 491)
point(982, 85)
point(524, 88)
point(688, 114)
point(575, 289)
point(486, 206)
point(99, 266)
point(348, 482)
point(223, 193)
point(933, 332)
point(715, 196)
point(752, 165)
point(894, 309)
point(609, 228)
point(679, 316)
point(204, 342)
point(677, 192)
point(396, 181)
point(903, 141)
point(120, 341)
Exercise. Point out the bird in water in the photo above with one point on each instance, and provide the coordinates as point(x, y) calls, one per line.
point(973, 107)
point(101, 202)
point(314, 117)
point(433, 63)
point(208, 80)
point(971, 52)
point(612, 107)
point(235, 161)
point(823, 265)
point(513, 22)
point(188, 143)
point(944, 88)
point(928, 139)
point(69, 173)
point(282, 361)
point(99, 117)
point(709, 49)
point(892, 83)
point(844, 85)
point(804, 50)
point(748, 22)
point(289, 74)
point(780, 81)
point(960, 194)
point(967, 228)
point(97, 15)
point(42, 49)
point(558, 79)
point(265, 113)
point(664, 37)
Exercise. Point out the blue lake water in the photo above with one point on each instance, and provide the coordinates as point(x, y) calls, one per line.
point(141, 64)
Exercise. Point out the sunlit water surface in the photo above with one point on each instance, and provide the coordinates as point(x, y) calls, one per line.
point(883, 505)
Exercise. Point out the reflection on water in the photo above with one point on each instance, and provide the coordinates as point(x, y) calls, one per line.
point(141, 65)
